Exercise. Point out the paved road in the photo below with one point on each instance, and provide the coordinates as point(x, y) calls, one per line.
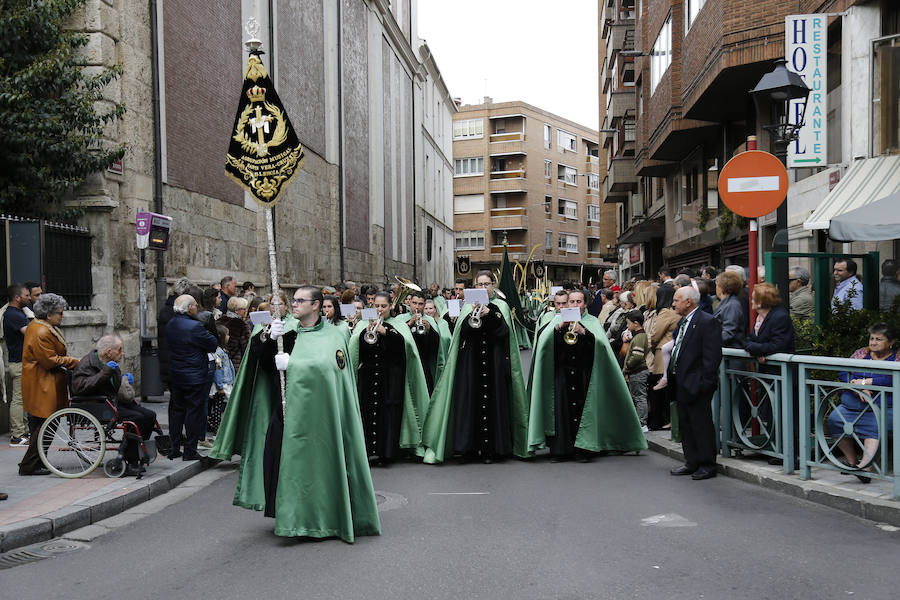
point(619, 527)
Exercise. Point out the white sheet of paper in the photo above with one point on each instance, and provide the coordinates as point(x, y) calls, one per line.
point(348, 310)
point(260, 317)
point(453, 307)
point(476, 296)
point(554, 289)
point(570, 314)
point(369, 314)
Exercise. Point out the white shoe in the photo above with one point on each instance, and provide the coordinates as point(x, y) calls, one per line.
point(644, 428)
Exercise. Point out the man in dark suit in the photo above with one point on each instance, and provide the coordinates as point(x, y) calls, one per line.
point(693, 376)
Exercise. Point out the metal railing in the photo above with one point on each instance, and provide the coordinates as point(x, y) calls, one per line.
point(755, 405)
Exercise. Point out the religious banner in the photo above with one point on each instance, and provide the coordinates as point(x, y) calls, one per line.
point(264, 154)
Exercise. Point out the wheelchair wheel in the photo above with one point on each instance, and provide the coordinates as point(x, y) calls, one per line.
point(71, 443)
point(114, 467)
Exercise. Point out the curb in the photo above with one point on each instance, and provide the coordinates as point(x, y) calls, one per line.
point(91, 510)
point(871, 509)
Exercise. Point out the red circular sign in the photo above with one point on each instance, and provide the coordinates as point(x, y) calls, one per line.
point(753, 183)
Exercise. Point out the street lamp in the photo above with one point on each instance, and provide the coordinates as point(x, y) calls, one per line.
point(773, 96)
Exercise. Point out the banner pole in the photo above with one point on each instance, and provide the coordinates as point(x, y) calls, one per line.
point(276, 297)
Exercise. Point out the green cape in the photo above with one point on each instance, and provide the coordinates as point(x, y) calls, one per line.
point(609, 420)
point(438, 433)
point(436, 367)
point(440, 303)
point(322, 429)
point(415, 393)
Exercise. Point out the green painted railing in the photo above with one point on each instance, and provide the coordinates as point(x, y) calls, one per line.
point(754, 410)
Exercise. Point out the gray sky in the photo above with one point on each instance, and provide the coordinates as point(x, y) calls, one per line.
point(543, 52)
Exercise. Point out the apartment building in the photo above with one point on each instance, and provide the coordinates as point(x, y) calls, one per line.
point(529, 179)
point(694, 63)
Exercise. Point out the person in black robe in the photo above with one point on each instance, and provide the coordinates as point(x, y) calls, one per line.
point(380, 380)
point(572, 367)
point(482, 427)
point(428, 343)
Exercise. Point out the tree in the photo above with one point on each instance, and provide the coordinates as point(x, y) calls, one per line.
point(50, 122)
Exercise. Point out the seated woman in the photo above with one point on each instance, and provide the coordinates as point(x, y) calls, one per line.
point(857, 406)
point(98, 374)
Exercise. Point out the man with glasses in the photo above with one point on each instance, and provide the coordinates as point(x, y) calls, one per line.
point(303, 460)
point(802, 306)
point(479, 409)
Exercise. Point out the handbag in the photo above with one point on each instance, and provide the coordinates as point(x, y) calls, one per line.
point(215, 410)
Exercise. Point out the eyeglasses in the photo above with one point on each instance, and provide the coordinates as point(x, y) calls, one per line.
point(300, 300)
point(478, 285)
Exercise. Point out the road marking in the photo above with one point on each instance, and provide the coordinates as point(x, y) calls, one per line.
point(668, 520)
point(458, 493)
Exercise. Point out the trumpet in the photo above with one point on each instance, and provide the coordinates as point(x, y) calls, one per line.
point(371, 335)
point(570, 337)
point(419, 326)
point(475, 316)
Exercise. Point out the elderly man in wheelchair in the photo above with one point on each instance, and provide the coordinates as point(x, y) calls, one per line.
point(98, 378)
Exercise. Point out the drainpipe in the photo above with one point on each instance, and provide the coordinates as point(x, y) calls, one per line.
point(157, 150)
point(340, 99)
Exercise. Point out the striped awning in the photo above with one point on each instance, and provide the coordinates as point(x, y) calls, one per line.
point(866, 181)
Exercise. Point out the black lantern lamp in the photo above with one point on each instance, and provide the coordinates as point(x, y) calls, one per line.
point(772, 97)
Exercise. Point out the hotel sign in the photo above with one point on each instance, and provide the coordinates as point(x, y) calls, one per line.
point(806, 54)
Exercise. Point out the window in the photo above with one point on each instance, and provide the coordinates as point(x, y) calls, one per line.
point(566, 141)
point(593, 181)
point(593, 212)
point(548, 204)
point(471, 203)
point(468, 128)
point(499, 165)
point(566, 174)
point(567, 209)
point(465, 167)
point(499, 125)
point(429, 241)
point(661, 56)
point(470, 240)
point(885, 96)
point(548, 169)
point(547, 135)
point(548, 241)
point(568, 242)
point(691, 9)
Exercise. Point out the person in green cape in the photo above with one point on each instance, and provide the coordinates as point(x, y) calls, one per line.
point(580, 403)
point(479, 409)
point(304, 463)
point(427, 338)
point(393, 394)
point(443, 328)
point(560, 301)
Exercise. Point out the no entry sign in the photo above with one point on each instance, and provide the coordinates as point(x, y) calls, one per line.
point(753, 184)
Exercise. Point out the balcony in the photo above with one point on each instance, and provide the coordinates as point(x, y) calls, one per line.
point(512, 248)
point(514, 174)
point(620, 103)
point(499, 149)
point(594, 258)
point(509, 219)
point(620, 179)
point(505, 185)
point(591, 164)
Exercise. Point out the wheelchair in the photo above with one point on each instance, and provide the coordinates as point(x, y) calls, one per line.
point(73, 441)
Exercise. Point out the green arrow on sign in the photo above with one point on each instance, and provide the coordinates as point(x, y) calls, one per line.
point(804, 160)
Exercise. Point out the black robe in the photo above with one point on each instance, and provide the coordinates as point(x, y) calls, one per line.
point(428, 344)
point(572, 367)
point(380, 381)
point(482, 423)
point(264, 349)
point(450, 322)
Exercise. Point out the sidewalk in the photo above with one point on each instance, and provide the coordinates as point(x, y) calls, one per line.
point(41, 508)
point(870, 501)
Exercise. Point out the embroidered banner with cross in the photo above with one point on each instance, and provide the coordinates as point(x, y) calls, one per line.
point(264, 154)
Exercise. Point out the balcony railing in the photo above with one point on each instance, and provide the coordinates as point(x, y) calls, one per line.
point(620, 179)
point(509, 218)
point(620, 102)
point(510, 136)
point(512, 248)
point(514, 174)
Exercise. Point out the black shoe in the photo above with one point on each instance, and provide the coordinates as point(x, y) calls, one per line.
point(683, 470)
point(134, 470)
point(38, 471)
point(174, 454)
point(582, 458)
point(704, 474)
point(192, 456)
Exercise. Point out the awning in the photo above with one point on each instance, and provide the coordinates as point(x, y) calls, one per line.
point(879, 220)
point(865, 182)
